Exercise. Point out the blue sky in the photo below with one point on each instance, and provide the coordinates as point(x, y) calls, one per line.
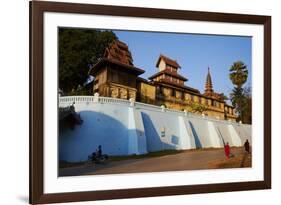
point(193, 52)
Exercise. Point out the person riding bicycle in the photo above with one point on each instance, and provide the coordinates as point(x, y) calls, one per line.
point(94, 156)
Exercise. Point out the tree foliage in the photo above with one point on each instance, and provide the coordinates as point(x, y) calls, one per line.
point(247, 116)
point(223, 97)
point(238, 73)
point(241, 97)
point(238, 100)
point(195, 107)
point(79, 48)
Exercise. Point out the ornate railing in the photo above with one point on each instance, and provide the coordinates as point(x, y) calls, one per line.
point(69, 100)
point(94, 99)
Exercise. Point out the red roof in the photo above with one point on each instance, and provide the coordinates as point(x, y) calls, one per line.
point(168, 61)
point(119, 51)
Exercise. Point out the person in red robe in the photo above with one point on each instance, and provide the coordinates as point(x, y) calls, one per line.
point(227, 150)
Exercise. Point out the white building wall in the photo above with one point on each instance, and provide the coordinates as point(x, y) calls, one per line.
point(123, 128)
point(244, 132)
point(103, 124)
point(200, 132)
point(236, 140)
point(162, 130)
point(136, 133)
point(214, 136)
point(186, 136)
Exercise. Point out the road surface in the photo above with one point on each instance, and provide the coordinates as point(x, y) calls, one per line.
point(187, 160)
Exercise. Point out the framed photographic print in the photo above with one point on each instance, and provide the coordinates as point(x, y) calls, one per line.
point(135, 102)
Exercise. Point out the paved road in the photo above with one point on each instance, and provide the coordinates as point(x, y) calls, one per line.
point(188, 160)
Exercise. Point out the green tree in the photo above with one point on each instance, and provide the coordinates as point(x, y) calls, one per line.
point(247, 116)
point(79, 48)
point(238, 75)
point(223, 97)
point(237, 100)
point(195, 107)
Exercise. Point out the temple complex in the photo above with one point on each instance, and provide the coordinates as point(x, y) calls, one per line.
point(117, 77)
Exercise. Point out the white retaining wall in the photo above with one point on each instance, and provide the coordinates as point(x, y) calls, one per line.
point(124, 128)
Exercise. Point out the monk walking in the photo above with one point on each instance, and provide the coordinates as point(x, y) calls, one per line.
point(227, 150)
point(247, 146)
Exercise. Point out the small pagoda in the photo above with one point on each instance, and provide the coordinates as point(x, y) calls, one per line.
point(209, 92)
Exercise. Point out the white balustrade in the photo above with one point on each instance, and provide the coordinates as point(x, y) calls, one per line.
point(96, 98)
point(69, 100)
point(132, 102)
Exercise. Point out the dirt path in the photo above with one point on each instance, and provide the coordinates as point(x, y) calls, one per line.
point(188, 160)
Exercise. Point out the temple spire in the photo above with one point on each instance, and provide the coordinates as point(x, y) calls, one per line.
point(208, 84)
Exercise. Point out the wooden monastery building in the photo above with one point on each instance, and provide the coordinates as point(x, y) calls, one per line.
point(117, 77)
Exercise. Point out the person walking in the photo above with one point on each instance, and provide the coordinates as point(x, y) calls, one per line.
point(227, 150)
point(247, 146)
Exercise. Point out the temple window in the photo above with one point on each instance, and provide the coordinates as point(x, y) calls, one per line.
point(187, 96)
point(215, 103)
point(191, 97)
point(173, 93)
point(182, 96)
point(178, 94)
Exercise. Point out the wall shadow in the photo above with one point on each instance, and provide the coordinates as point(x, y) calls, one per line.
point(198, 144)
point(154, 142)
point(97, 129)
point(221, 137)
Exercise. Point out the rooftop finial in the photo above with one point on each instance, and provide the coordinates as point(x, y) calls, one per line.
point(208, 84)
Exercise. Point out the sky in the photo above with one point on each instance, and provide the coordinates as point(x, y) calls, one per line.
point(194, 52)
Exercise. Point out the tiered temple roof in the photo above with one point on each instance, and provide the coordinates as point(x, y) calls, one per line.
point(209, 92)
point(119, 51)
point(168, 72)
point(117, 54)
point(168, 61)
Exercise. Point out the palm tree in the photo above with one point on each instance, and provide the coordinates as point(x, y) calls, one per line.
point(238, 73)
point(237, 98)
point(238, 76)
